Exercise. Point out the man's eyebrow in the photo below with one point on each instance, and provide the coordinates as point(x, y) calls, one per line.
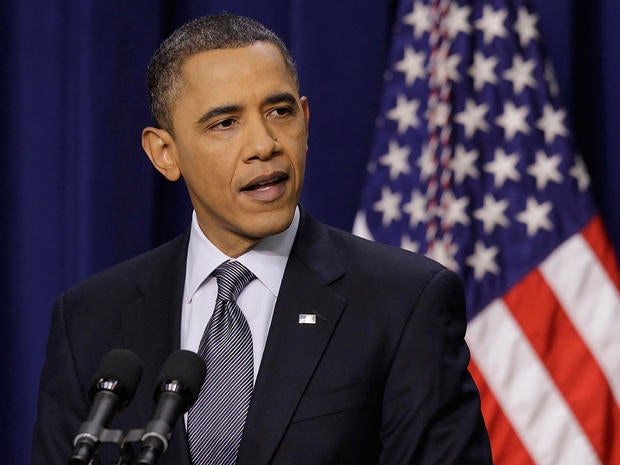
point(218, 111)
point(283, 97)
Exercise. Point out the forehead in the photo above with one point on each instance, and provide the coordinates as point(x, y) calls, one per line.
point(220, 72)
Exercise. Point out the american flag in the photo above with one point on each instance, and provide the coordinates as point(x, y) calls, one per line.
point(473, 164)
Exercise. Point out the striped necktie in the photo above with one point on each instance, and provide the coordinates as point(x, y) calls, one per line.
point(215, 422)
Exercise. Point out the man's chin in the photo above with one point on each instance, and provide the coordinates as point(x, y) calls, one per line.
point(270, 223)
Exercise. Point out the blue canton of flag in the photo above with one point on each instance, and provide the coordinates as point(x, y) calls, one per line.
point(472, 162)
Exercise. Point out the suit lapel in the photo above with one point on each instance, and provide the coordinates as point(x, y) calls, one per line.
point(151, 329)
point(293, 350)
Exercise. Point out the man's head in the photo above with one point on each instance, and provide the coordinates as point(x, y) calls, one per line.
point(240, 128)
point(164, 78)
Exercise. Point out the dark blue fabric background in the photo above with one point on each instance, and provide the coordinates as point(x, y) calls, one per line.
point(78, 194)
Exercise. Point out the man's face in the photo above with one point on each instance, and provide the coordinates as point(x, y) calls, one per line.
point(240, 143)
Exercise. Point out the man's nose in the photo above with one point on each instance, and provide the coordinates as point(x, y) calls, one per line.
point(262, 141)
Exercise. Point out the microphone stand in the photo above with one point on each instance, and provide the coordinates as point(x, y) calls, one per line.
point(126, 454)
point(125, 443)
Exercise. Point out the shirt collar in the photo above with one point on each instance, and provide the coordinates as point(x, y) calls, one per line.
point(267, 259)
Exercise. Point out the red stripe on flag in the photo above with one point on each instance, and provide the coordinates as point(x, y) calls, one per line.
point(568, 361)
point(595, 235)
point(506, 446)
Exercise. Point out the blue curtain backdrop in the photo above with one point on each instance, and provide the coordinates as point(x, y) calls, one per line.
point(78, 194)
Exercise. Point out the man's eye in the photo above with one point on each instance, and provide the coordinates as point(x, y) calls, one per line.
point(280, 112)
point(224, 124)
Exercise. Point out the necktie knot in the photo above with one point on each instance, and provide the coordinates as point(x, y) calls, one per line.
point(232, 277)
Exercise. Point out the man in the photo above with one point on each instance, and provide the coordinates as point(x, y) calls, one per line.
point(357, 348)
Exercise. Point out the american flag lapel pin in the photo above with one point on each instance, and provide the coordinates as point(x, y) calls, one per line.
point(307, 319)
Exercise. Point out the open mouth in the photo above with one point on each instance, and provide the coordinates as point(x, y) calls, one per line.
point(265, 182)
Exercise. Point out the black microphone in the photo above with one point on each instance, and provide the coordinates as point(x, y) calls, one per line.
point(177, 389)
point(112, 388)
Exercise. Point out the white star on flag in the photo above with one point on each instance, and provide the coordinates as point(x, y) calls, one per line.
point(580, 173)
point(483, 260)
point(389, 205)
point(445, 65)
point(439, 115)
point(482, 70)
point(526, 27)
point(427, 162)
point(417, 209)
point(521, 74)
point(503, 167)
point(412, 65)
point(492, 23)
point(457, 20)
point(551, 123)
point(552, 82)
point(535, 216)
point(545, 169)
point(419, 19)
point(443, 251)
point(454, 210)
point(405, 113)
point(513, 120)
point(492, 213)
point(473, 117)
point(463, 164)
point(397, 159)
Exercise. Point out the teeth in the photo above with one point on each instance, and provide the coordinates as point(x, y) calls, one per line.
point(269, 181)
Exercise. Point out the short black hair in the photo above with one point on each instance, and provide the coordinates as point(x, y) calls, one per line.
point(220, 31)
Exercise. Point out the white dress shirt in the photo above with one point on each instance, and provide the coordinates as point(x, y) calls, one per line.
point(266, 260)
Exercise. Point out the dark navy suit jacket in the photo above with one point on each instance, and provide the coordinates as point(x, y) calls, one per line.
point(381, 378)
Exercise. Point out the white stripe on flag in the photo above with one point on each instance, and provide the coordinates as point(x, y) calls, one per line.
point(525, 391)
point(590, 300)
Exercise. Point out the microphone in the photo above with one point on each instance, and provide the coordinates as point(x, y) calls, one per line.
point(176, 391)
point(112, 388)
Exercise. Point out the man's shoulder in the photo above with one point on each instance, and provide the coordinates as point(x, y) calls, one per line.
point(365, 260)
point(363, 251)
point(124, 276)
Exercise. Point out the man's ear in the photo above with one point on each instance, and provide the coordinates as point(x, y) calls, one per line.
point(306, 109)
point(161, 150)
point(305, 106)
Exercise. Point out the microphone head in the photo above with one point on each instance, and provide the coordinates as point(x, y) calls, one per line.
point(183, 372)
point(119, 371)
